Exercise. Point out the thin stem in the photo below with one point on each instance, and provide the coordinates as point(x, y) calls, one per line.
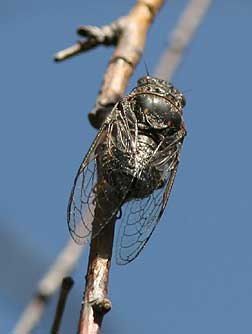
point(95, 302)
point(75, 50)
point(51, 281)
point(66, 286)
point(181, 36)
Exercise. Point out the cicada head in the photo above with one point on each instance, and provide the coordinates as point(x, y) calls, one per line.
point(158, 103)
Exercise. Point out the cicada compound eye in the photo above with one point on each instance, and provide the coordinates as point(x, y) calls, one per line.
point(183, 100)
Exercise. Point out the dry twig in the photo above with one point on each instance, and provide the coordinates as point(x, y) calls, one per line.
point(66, 286)
point(95, 302)
point(128, 33)
point(62, 266)
point(181, 36)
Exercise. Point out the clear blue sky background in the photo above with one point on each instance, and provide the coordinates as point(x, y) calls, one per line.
point(195, 275)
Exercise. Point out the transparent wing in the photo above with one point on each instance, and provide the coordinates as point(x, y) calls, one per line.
point(89, 189)
point(141, 216)
point(81, 205)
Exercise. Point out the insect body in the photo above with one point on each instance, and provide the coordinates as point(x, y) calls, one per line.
point(130, 167)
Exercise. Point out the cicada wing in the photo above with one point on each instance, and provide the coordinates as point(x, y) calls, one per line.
point(141, 216)
point(81, 205)
point(86, 195)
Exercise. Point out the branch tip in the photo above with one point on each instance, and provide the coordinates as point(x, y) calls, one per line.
point(67, 283)
point(66, 286)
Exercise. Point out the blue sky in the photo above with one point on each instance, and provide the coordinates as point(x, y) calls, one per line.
point(195, 274)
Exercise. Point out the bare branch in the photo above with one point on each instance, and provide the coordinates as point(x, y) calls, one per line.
point(66, 286)
point(181, 36)
point(62, 266)
point(95, 302)
point(31, 315)
point(107, 35)
point(129, 34)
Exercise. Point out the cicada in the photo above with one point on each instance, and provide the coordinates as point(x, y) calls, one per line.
point(129, 170)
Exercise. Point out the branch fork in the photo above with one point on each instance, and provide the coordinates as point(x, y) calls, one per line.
point(128, 35)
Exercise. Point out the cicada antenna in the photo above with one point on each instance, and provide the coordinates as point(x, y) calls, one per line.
point(146, 68)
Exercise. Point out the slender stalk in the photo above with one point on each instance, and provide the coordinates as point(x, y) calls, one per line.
point(181, 36)
point(95, 302)
point(31, 315)
point(51, 281)
point(66, 286)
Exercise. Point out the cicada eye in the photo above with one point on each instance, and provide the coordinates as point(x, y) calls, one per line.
point(183, 101)
point(173, 120)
